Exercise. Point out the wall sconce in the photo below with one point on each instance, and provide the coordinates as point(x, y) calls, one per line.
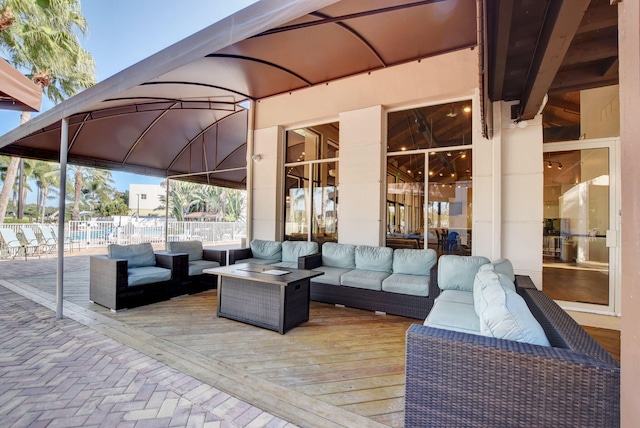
point(256, 158)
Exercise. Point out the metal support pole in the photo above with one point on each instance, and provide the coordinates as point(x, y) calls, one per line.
point(64, 138)
point(166, 214)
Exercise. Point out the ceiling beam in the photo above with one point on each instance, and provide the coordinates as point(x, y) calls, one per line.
point(597, 18)
point(500, 47)
point(561, 23)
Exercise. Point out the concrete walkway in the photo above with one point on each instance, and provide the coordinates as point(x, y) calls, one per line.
point(61, 373)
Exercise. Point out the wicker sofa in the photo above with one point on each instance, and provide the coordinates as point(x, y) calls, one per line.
point(279, 254)
point(458, 378)
point(134, 275)
point(398, 282)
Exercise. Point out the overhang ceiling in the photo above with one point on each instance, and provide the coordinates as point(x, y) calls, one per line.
point(554, 47)
point(177, 112)
point(16, 91)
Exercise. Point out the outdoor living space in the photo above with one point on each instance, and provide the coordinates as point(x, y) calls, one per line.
point(344, 367)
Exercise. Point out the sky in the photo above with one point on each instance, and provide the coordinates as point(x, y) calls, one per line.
point(124, 32)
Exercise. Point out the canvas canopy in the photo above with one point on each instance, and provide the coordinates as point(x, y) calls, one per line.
point(16, 91)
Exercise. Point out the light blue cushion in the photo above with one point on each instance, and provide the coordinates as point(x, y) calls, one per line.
point(369, 279)
point(453, 316)
point(458, 296)
point(136, 255)
point(502, 266)
point(291, 250)
point(192, 248)
point(339, 255)
point(268, 250)
point(503, 313)
point(378, 259)
point(197, 266)
point(458, 272)
point(414, 262)
point(257, 261)
point(331, 275)
point(147, 275)
point(286, 265)
point(505, 279)
point(415, 285)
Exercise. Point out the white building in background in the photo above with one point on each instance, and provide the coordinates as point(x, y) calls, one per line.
point(144, 199)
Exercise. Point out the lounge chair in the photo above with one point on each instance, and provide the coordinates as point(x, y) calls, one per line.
point(47, 238)
point(32, 245)
point(11, 245)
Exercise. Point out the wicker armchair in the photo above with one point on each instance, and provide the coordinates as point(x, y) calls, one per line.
point(459, 379)
point(118, 282)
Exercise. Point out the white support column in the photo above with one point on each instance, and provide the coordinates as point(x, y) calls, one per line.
point(64, 144)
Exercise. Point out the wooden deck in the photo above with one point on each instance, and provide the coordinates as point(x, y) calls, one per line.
point(345, 367)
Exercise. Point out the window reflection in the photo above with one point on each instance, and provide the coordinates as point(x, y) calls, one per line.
point(311, 184)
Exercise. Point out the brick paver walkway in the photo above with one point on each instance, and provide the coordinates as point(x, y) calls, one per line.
point(60, 373)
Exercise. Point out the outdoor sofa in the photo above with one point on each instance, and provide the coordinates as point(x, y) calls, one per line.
point(134, 275)
point(481, 369)
point(398, 282)
point(279, 254)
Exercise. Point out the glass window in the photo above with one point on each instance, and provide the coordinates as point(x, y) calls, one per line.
point(311, 184)
point(427, 150)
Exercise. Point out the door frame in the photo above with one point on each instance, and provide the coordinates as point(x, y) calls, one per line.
point(615, 225)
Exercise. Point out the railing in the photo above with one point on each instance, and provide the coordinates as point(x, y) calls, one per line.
point(92, 234)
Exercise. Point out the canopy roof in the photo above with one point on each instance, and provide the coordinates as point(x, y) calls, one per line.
point(177, 112)
point(16, 91)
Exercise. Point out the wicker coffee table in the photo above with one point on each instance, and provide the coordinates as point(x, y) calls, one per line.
point(264, 296)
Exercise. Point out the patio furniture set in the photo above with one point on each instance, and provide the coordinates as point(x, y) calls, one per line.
point(492, 350)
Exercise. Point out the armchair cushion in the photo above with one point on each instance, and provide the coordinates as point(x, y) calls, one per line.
point(147, 275)
point(414, 262)
point(458, 272)
point(136, 255)
point(339, 255)
point(192, 248)
point(331, 274)
point(503, 313)
point(267, 250)
point(291, 250)
point(197, 266)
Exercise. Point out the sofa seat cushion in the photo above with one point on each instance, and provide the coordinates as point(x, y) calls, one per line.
point(147, 275)
point(415, 285)
point(453, 316)
point(136, 255)
point(503, 313)
point(192, 248)
point(458, 272)
point(258, 261)
point(286, 265)
point(331, 275)
point(368, 279)
point(291, 250)
point(457, 296)
point(339, 255)
point(197, 266)
point(267, 250)
point(377, 259)
point(414, 262)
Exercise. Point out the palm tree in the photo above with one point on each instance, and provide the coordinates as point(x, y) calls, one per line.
point(82, 175)
point(41, 37)
point(47, 176)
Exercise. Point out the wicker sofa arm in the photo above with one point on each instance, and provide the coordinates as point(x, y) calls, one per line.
point(219, 256)
point(239, 254)
point(178, 263)
point(459, 379)
point(107, 278)
point(310, 262)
